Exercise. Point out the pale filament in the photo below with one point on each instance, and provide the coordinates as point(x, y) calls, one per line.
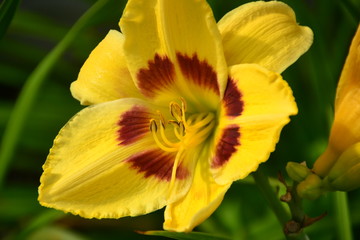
point(189, 132)
point(174, 170)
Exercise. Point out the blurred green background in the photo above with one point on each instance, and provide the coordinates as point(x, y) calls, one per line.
point(39, 25)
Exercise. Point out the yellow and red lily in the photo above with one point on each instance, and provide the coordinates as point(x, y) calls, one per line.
point(180, 107)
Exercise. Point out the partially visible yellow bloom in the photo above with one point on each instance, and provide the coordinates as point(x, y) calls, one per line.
point(345, 131)
point(338, 168)
point(180, 108)
point(345, 174)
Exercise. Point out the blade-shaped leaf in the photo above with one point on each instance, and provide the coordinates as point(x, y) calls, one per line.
point(186, 236)
point(7, 11)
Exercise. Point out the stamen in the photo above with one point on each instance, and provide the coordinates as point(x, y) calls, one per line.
point(153, 129)
point(200, 136)
point(164, 138)
point(176, 111)
point(183, 104)
point(209, 117)
point(195, 118)
point(182, 128)
point(174, 170)
point(179, 130)
point(162, 119)
point(189, 131)
point(153, 126)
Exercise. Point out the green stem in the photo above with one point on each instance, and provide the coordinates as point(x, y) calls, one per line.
point(262, 181)
point(263, 184)
point(343, 222)
point(295, 205)
point(31, 88)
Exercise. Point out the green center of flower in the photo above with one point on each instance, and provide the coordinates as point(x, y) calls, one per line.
point(182, 132)
point(187, 132)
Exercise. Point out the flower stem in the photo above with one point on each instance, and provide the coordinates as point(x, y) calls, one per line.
point(263, 184)
point(343, 222)
point(31, 88)
point(283, 216)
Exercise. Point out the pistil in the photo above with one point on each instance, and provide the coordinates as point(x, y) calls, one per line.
point(188, 132)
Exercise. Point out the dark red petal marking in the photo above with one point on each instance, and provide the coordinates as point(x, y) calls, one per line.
point(200, 72)
point(157, 163)
point(226, 146)
point(134, 124)
point(159, 74)
point(232, 99)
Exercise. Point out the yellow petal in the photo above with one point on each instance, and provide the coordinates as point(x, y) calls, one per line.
point(246, 138)
point(350, 76)
point(172, 39)
point(198, 204)
point(345, 174)
point(105, 164)
point(346, 127)
point(104, 75)
point(265, 33)
point(345, 131)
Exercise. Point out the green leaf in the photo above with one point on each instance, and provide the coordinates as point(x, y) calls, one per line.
point(55, 233)
point(44, 218)
point(7, 11)
point(32, 87)
point(186, 236)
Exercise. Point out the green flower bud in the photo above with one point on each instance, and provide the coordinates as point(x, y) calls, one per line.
point(345, 174)
point(297, 171)
point(311, 188)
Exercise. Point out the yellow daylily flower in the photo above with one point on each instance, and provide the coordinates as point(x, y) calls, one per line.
point(345, 131)
point(180, 108)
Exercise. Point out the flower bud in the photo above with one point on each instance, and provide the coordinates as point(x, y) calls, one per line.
point(345, 174)
point(297, 171)
point(345, 130)
point(311, 188)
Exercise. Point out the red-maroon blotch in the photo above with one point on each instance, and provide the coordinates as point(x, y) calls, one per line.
point(232, 101)
point(199, 72)
point(134, 124)
point(159, 75)
point(226, 146)
point(157, 163)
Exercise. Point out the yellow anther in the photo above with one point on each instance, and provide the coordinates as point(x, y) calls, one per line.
point(174, 123)
point(176, 111)
point(153, 126)
point(188, 131)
